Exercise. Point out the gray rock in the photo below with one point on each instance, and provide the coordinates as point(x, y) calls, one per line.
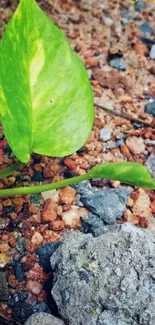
point(118, 63)
point(152, 52)
point(150, 164)
point(126, 16)
point(145, 28)
point(108, 280)
point(109, 205)
point(150, 107)
point(4, 291)
point(105, 133)
point(44, 319)
point(140, 5)
point(92, 224)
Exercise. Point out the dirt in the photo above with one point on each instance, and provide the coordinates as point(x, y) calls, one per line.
point(99, 31)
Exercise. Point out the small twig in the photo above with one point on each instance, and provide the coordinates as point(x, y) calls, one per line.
point(125, 116)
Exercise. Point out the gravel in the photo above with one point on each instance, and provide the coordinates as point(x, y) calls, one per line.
point(109, 205)
point(44, 319)
point(108, 280)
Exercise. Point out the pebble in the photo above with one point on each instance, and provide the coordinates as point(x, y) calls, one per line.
point(150, 107)
point(120, 136)
point(72, 217)
point(4, 248)
point(44, 319)
point(152, 52)
point(150, 164)
point(118, 63)
point(140, 5)
point(107, 20)
point(92, 224)
point(17, 297)
point(18, 271)
point(4, 291)
point(4, 222)
point(37, 238)
point(105, 133)
point(8, 209)
point(109, 205)
point(67, 195)
point(126, 16)
point(3, 260)
point(49, 211)
point(23, 310)
point(33, 286)
point(145, 28)
point(20, 245)
point(141, 205)
point(45, 252)
point(141, 49)
point(136, 145)
point(38, 177)
point(53, 195)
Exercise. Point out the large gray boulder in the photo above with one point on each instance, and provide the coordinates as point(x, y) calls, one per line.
point(43, 319)
point(108, 280)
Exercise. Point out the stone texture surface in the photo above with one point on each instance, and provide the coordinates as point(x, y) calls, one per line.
point(108, 280)
point(44, 319)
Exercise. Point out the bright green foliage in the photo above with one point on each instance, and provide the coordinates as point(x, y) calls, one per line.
point(128, 172)
point(46, 101)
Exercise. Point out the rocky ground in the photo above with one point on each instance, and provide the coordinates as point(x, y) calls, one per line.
point(116, 41)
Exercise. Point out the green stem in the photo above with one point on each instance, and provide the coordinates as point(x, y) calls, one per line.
point(9, 170)
point(42, 188)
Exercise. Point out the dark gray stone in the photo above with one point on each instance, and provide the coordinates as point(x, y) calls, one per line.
point(109, 205)
point(150, 164)
point(44, 319)
point(4, 291)
point(44, 253)
point(23, 310)
point(16, 298)
point(92, 224)
point(18, 270)
point(118, 63)
point(150, 108)
point(108, 280)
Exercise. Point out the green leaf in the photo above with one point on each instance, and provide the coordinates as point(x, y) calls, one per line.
point(46, 100)
point(126, 172)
